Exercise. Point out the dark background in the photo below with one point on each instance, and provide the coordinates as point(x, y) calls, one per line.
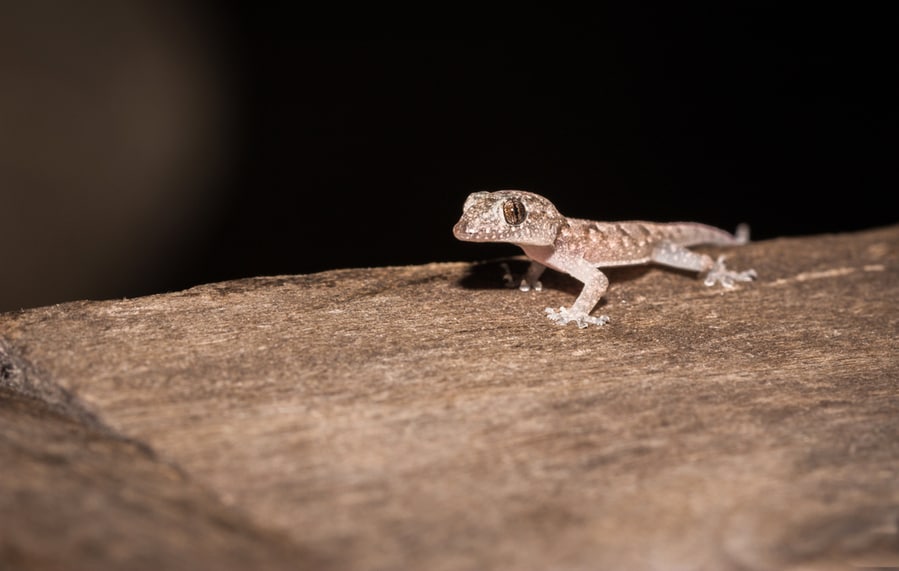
point(330, 154)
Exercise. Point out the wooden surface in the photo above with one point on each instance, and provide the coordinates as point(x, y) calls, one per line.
point(426, 418)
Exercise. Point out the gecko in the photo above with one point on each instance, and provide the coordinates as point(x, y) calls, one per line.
point(580, 247)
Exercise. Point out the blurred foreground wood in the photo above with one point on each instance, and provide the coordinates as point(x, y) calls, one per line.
point(426, 418)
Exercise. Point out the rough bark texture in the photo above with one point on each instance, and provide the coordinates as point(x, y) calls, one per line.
point(426, 418)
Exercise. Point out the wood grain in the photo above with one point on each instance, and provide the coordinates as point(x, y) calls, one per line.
point(427, 418)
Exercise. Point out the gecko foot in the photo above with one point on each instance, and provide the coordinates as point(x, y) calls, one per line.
point(563, 316)
point(720, 274)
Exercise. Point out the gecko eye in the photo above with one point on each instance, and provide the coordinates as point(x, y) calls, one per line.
point(514, 211)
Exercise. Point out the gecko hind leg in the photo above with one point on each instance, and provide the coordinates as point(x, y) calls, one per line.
point(675, 256)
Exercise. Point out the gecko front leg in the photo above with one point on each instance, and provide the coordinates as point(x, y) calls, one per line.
point(531, 279)
point(595, 285)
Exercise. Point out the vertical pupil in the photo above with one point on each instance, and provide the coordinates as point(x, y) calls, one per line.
point(513, 211)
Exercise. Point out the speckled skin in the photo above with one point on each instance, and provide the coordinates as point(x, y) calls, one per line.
point(579, 247)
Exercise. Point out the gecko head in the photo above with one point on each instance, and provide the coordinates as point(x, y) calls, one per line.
point(514, 216)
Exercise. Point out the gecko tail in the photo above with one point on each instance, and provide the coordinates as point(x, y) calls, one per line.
point(742, 233)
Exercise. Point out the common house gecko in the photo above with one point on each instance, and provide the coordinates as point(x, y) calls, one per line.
point(580, 247)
